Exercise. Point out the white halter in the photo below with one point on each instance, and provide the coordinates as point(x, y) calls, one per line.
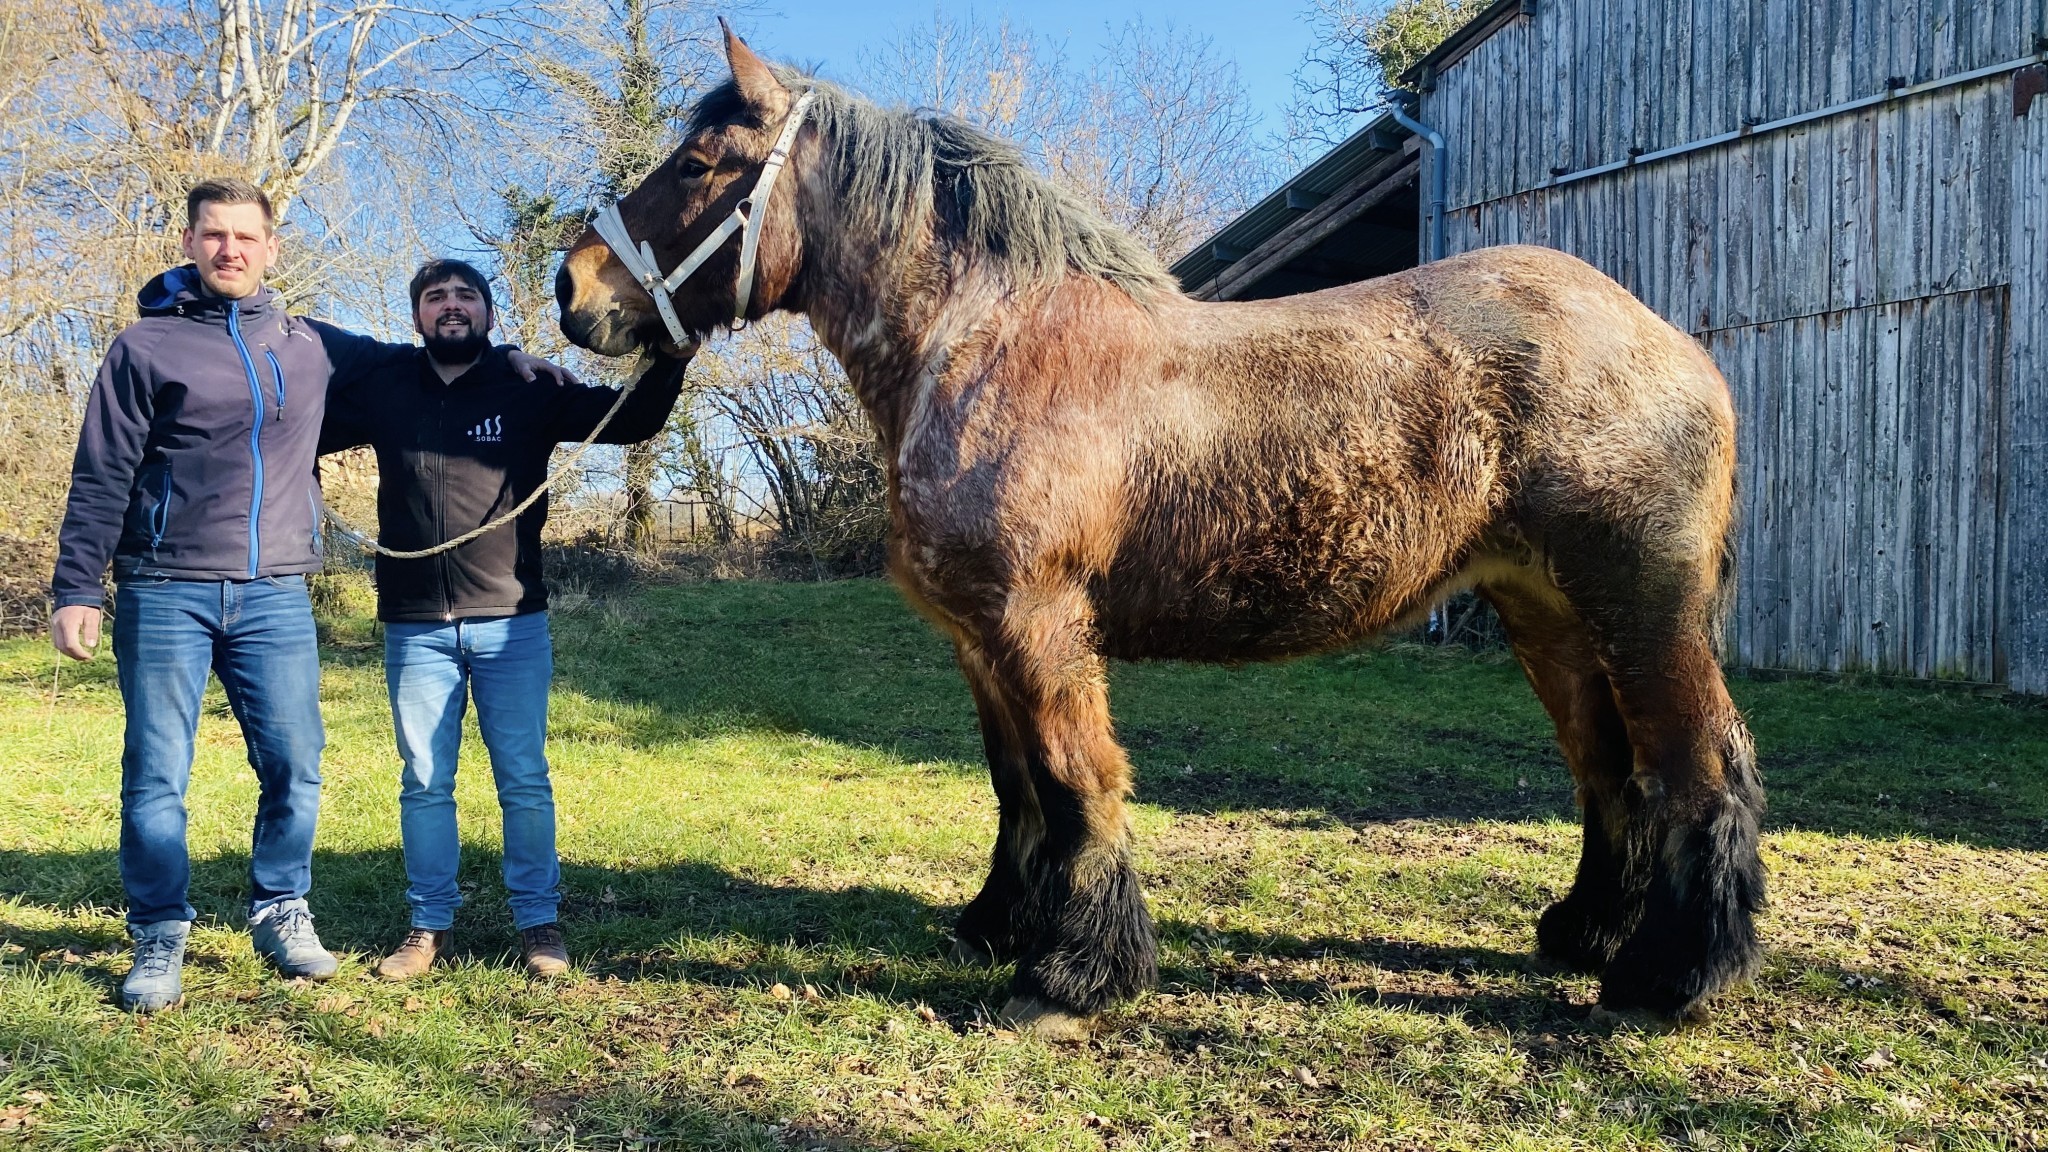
point(639, 259)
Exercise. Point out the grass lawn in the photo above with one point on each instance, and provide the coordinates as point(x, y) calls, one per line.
point(772, 806)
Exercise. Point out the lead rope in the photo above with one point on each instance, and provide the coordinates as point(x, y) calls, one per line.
point(554, 474)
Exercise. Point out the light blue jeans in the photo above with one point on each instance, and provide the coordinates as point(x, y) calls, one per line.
point(432, 669)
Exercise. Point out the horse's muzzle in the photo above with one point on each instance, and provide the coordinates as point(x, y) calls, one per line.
point(604, 328)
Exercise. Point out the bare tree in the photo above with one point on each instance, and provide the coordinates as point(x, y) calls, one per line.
point(809, 450)
point(1361, 48)
point(110, 111)
point(617, 76)
point(1171, 151)
point(1156, 131)
point(994, 77)
point(284, 83)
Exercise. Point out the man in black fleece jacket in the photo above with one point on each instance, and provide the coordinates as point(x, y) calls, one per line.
point(460, 440)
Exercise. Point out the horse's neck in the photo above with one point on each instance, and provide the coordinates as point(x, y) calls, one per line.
point(891, 319)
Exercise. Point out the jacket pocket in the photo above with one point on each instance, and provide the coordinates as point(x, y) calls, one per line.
point(277, 377)
point(150, 518)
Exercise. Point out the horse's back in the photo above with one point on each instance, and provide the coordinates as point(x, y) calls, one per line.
point(1526, 369)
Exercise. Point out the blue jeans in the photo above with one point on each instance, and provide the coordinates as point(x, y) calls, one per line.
point(432, 669)
point(257, 636)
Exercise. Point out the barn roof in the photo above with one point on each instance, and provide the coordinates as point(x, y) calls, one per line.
point(1336, 171)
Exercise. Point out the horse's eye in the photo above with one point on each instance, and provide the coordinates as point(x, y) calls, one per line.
point(693, 169)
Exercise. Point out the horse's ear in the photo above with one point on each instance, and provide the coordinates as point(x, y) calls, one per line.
point(750, 74)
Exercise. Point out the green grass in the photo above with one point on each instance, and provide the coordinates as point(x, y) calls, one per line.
point(772, 806)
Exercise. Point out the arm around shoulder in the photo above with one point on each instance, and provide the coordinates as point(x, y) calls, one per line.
point(353, 358)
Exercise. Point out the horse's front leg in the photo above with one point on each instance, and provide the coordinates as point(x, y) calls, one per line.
point(986, 931)
point(1084, 934)
point(1693, 810)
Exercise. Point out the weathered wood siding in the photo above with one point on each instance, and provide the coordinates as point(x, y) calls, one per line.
point(2025, 496)
point(1869, 283)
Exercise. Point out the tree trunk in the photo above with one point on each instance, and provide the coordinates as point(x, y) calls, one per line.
point(640, 461)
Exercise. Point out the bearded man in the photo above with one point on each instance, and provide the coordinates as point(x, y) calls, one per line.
point(461, 439)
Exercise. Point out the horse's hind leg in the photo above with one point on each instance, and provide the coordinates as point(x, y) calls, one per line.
point(1587, 927)
point(1086, 937)
point(1695, 799)
point(986, 930)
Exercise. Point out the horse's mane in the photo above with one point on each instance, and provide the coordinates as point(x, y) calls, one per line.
point(891, 166)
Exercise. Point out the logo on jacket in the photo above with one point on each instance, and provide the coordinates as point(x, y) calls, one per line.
point(491, 431)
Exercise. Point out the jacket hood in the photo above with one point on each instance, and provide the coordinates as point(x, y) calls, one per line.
point(180, 291)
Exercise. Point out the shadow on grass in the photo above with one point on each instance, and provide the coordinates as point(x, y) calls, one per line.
point(1363, 736)
point(701, 924)
point(698, 923)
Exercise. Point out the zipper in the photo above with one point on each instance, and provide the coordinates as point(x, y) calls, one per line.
point(162, 518)
point(313, 498)
point(442, 562)
point(255, 436)
point(277, 371)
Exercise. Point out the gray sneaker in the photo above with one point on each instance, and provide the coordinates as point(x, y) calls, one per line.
point(156, 982)
point(283, 934)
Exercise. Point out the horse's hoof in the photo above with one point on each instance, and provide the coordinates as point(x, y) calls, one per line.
point(969, 953)
point(1642, 1019)
point(1044, 1020)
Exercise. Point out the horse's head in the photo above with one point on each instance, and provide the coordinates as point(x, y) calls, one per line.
point(680, 206)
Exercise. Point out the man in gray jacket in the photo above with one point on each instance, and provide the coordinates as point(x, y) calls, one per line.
point(195, 476)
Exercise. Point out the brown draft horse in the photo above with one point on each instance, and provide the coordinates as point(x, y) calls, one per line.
point(1084, 463)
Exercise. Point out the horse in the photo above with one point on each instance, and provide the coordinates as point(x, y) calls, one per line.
point(1083, 463)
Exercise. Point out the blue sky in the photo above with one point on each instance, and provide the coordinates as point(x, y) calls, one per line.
point(1265, 39)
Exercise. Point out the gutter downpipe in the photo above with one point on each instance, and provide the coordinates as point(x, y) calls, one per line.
point(1438, 174)
point(1439, 620)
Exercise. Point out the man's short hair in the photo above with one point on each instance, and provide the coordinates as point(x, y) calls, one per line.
point(435, 271)
point(227, 190)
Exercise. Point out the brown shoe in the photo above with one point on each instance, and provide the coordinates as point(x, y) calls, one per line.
point(542, 947)
point(415, 956)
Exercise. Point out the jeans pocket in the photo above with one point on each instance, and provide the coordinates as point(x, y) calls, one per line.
point(141, 582)
point(293, 581)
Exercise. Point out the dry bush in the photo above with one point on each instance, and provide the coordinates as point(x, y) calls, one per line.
point(39, 426)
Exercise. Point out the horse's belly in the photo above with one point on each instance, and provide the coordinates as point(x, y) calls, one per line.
point(1247, 615)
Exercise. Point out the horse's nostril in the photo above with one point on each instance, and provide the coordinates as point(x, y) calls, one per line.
point(565, 286)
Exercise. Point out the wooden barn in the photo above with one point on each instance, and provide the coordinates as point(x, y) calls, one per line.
point(1845, 201)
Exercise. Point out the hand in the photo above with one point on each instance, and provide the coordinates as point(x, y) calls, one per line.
point(75, 630)
point(531, 368)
